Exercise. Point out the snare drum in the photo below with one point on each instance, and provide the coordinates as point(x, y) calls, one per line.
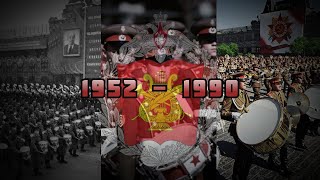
point(67, 126)
point(3, 151)
point(89, 130)
point(25, 151)
point(77, 122)
point(265, 127)
point(55, 142)
point(67, 138)
point(65, 117)
point(98, 125)
point(43, 146)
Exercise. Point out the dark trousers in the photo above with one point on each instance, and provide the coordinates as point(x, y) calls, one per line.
point(314, 126)
point(60, 157)
point(283, 156)
point(302, 128)
point(243, 159)
point(73, 151)
point(256, 93)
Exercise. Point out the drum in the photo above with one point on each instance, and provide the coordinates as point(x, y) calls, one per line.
point(77, 122)
point(67, 126)
point(67, 138)
point(3, 152)
point(313, 93)
point(80, 133)
point(25, 151)
point(265, 127)
point(65, 117)
point(98, 125)
point(54, 140)
point(89, 130)
point(43, 146)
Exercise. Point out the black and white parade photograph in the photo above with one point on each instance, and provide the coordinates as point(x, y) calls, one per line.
point(47, 130)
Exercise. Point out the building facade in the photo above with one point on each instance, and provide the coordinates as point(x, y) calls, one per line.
point(246, 37)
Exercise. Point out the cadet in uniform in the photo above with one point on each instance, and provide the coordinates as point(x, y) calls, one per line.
point(231, 110)
point(113, 37)
point(205, 32)
point(302, 126)
point(255, 82)
point(61, 150)
point(74, 143)
point(277, 94)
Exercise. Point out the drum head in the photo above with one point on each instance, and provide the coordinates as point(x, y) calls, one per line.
point(24, 149)
point(260, 122)
point(67, 136)
point(3, 146)
point(313, 94)
point(43, 142)
point(89, 127)
point(54, 138)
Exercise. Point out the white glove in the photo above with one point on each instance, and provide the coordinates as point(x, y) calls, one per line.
point(235, 115)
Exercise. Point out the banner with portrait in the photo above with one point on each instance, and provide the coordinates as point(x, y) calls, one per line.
point(71, 42)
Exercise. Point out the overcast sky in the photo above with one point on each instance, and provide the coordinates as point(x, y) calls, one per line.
point(15, 13)
point(235, 13)
point(230, 13)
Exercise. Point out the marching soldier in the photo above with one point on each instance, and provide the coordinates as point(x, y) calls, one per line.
point(74, 146)
point(61, 150)
point(277, 94)
point(205, 32)
point(113, 37)
point(35, 152)
point(231, 111)
point(302, 126)
point(82, 139)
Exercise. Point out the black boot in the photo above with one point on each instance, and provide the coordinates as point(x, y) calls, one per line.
point(63, 161)
point(272, 164)
point(74, 154)
point(284, 161)
point(82, 148)
point(301, 145)
point(48, 166)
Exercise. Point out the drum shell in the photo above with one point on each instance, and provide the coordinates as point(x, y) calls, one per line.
point(25, 151)
point(68, 139)
point(43, 146)
point(55, 142)
point(278, 136)
point(277, 139)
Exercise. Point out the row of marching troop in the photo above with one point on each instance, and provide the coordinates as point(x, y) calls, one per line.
point(40, 124)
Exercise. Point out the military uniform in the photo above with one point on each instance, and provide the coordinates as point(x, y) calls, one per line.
point(244, 155)
point(61, 150)
point(279, 97)
point(304, 123)
point(74, 144)
point(113, 37)
point(256, 85)
point(35, 154)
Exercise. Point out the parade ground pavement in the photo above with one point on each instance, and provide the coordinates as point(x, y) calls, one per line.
point(87, 166)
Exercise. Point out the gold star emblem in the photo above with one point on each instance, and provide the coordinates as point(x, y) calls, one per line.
point(280, 29)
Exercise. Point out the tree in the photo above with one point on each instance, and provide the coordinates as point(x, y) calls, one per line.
point(230, 49)
point(299, 46)
point(234, 48)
